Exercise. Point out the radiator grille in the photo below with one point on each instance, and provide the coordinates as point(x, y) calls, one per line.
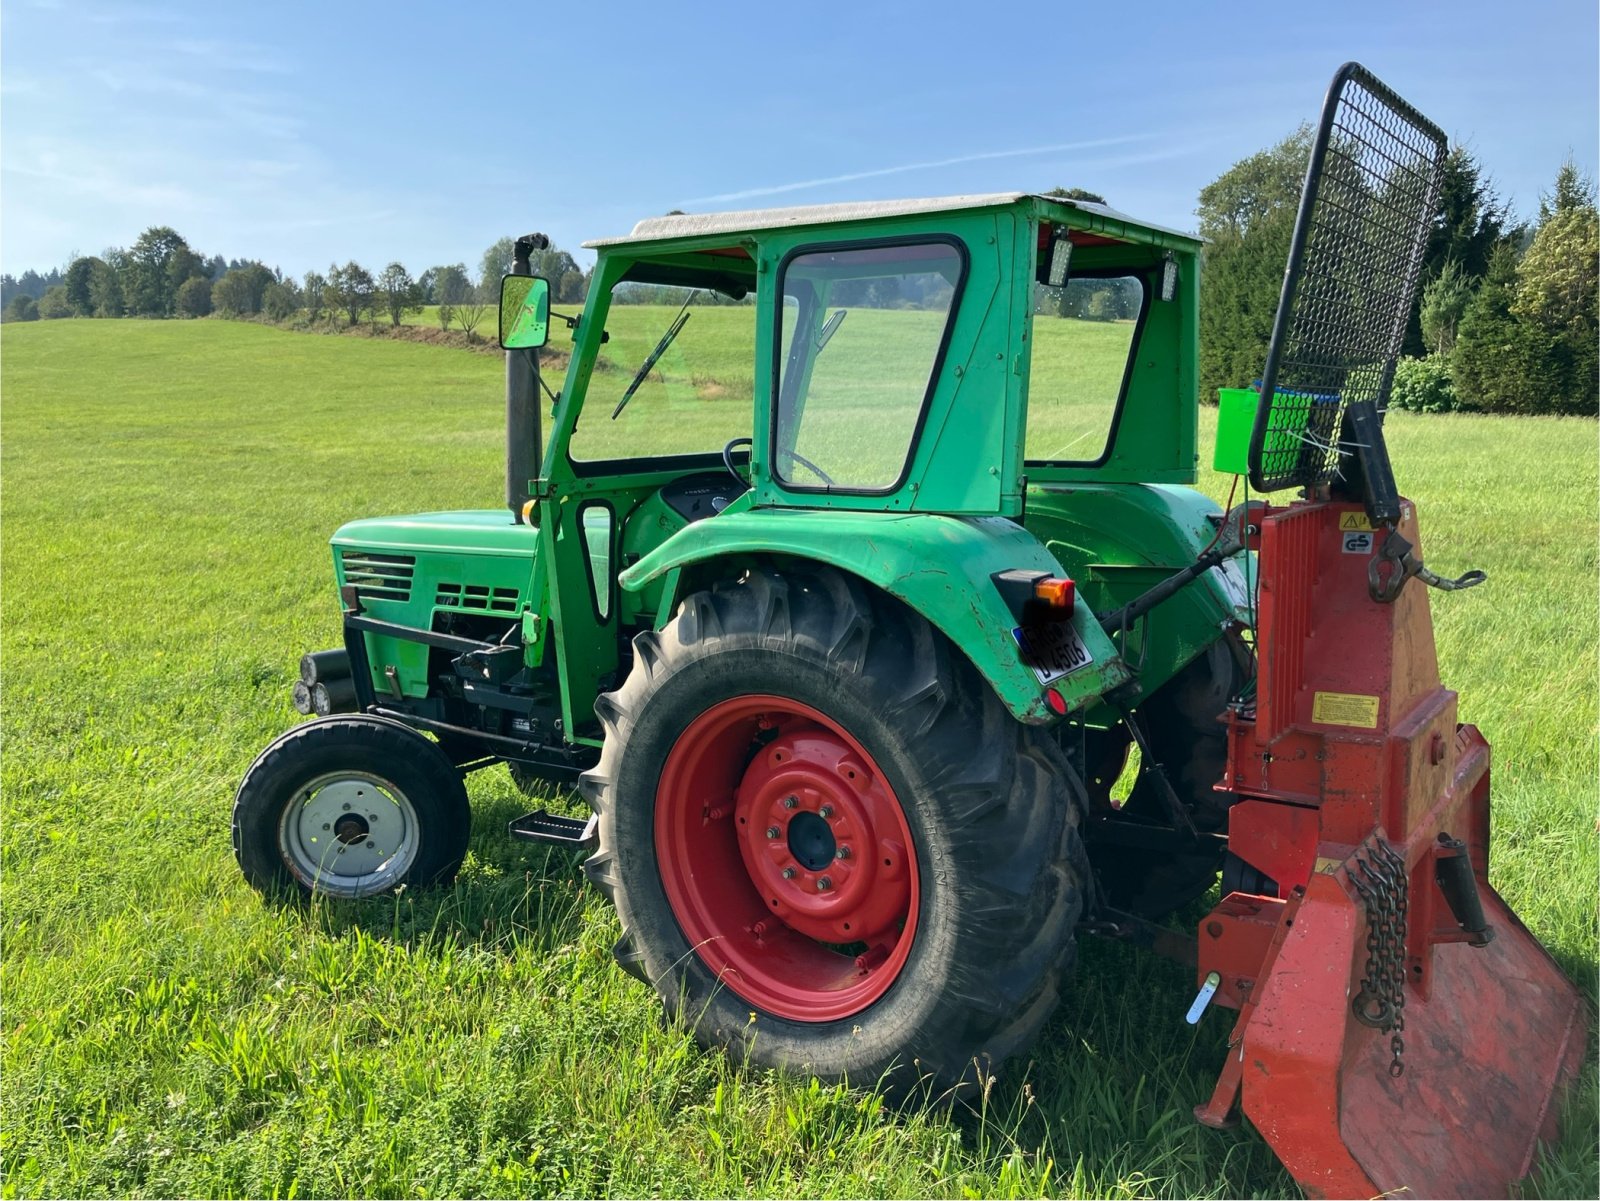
point(378, 576)
point(477, 597)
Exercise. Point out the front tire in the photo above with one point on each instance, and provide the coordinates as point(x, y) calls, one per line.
point(830, 846)
point(348, 807)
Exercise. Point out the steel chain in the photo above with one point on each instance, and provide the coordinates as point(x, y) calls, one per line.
point(1381, 1002)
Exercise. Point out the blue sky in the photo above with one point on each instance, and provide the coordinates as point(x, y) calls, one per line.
point(304, 133)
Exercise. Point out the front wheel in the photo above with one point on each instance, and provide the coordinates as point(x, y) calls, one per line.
point(347, 807)
point(829, 844)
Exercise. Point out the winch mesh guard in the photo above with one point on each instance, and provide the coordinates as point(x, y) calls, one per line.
point(1372, 185)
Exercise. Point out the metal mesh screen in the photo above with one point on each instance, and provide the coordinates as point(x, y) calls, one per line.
point(1370, 193)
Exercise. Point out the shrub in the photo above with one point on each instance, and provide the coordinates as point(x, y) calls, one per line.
point(22, 308)
point(280, 301)
point(194, 297)
point(1424, 386)
point(54, 303)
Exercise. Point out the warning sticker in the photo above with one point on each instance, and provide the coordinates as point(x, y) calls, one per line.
point(1345, 709)
point(1354, 521)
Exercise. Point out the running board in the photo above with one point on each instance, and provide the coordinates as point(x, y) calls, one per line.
point(544, 826)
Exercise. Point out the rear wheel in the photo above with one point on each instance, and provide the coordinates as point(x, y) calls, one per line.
point(813, 811)
point(350, 806)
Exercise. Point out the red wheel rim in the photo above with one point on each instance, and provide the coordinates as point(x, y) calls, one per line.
point(786, 858)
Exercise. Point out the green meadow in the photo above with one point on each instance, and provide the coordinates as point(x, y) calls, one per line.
point(168, 492)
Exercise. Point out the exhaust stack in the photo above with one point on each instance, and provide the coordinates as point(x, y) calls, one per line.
point(524, 449)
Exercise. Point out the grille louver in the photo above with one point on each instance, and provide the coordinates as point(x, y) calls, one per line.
point(478, 597)
point(378, 577)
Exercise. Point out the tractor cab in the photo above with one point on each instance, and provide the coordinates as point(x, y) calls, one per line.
point(974, 357)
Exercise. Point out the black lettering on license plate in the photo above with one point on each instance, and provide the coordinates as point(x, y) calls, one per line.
point(1053, 650)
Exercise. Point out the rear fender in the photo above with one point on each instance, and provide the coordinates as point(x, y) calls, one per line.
point(940, 566)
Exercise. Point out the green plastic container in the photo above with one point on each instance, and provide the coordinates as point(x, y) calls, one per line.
point(1236, 418)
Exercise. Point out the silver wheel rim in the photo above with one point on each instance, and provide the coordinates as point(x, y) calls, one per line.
point(349, 834)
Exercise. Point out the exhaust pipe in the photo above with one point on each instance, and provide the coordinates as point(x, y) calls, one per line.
point(524, 449)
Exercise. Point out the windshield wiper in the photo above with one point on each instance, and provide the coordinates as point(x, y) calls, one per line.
point(678, 323)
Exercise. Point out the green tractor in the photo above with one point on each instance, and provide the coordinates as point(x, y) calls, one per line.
point(863, 555)
point(862, 589)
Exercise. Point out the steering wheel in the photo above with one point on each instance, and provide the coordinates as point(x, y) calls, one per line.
point(727, 461)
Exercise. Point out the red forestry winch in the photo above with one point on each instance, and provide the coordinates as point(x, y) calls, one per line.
point(1399, 1031)
point(1398, 1027)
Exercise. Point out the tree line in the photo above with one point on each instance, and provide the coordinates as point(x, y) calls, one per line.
point(1505, 320)
point(161, 275)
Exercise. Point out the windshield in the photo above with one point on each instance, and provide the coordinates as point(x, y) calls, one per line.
point(653, 394)
point(861, 333)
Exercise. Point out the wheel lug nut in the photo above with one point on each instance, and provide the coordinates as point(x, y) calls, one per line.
point(773, 831)
point(326, 826)
point(346, 807)
point(826, 811)
point(372, 817)
point(842, 853)
point(371, 845)
point(788, 873)
point(824, 884)
point(341, 850)
point(789, 802)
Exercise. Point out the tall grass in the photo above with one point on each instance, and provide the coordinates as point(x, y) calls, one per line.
point(168, 492)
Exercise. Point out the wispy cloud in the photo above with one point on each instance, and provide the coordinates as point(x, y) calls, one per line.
point(929, 165)
point(231, 56)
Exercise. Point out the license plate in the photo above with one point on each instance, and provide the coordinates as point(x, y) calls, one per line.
point(1053, 649)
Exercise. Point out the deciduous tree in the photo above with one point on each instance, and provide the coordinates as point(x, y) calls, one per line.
point(1247, 212)
point(77, 284)
point(398, 292)
point(351, 290)
point(158, 264)
point(451, 287)
point(105, 286)
point(313, 294)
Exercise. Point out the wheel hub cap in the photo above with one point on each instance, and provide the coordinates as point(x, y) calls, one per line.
point(349, 834)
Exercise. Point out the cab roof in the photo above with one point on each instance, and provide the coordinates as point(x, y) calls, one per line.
point(696, 225)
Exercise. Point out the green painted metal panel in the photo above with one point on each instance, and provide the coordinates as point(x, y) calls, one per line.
point(411, 569)
point(941, 566)
point(1117, 540)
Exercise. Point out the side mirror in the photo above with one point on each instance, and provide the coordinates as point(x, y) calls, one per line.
point(524, 312)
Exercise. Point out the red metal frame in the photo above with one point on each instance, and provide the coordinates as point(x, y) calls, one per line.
point(1351, 739)
point(776, 926)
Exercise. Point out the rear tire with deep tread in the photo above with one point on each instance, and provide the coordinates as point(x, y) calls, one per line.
point(993, 807)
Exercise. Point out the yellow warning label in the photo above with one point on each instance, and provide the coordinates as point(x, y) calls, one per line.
point(1354, 521)
point(1326, 867)
point(1345, 709)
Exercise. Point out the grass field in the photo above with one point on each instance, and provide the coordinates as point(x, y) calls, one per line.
point(168, 493)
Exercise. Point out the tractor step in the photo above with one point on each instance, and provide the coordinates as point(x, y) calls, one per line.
point(544, 826)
